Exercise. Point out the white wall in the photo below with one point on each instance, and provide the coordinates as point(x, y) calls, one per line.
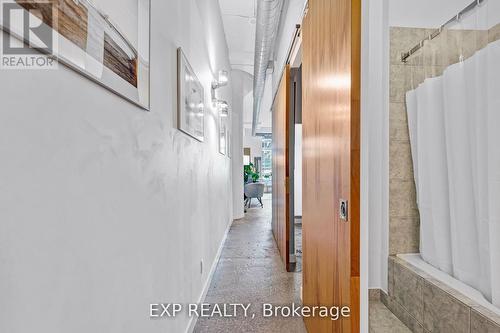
point(242, 86)
point(374, 150)
point(432, 13)
point(375, 140)
point(298, 171)
point(248, 110)
point(254, 143)
point(265, 124)
point(106, 208)
point(293, 11)
point(265, 121)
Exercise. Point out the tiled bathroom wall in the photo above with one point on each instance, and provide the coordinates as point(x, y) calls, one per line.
point(419, 301)
point(403, 212)
point(438, 54)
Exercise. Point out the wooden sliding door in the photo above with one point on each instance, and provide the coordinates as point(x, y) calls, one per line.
point(330, 120)
point(281, 167)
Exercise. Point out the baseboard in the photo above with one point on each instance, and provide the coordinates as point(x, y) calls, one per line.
point(193, 320)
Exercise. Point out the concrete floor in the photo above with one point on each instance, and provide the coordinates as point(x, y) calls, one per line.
point(250, 271)
point(298, 246)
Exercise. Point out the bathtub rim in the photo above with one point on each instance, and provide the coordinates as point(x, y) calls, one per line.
point(472, 297)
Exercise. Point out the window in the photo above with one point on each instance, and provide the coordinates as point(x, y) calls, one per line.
point(267, 157)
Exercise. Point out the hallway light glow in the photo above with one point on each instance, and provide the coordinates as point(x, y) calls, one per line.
point(223, 107)
point(222, 80)
point(337, 82)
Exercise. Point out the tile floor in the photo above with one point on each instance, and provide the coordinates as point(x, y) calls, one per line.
point(250, 271)
point(382, 320)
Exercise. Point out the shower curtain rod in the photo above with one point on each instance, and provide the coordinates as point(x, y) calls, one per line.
point(437, 32)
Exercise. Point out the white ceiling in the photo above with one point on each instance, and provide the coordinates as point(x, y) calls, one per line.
point(239, 17)
point(239, 24)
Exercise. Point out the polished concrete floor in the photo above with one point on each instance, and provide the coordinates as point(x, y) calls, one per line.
point(298, 245)
point(250, 271)
point(382, 320)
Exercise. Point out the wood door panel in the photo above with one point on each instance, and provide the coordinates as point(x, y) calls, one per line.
point(330, 120)
point(281, 145)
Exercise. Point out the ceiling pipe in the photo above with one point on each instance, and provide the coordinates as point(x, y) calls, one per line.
point(268, 19)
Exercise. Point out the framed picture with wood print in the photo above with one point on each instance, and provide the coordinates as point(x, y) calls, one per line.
point(190, 99)
point(107, 40)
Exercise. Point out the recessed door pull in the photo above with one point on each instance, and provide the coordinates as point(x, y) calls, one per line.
point(344, 210)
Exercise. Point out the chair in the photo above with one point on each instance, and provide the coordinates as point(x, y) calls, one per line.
point(254, 190)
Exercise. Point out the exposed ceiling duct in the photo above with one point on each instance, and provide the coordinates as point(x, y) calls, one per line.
point(268, 19)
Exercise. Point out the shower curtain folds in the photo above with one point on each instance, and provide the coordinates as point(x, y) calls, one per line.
point(433, 203)
point(454, 125)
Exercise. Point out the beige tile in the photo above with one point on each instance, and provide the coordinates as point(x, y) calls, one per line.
point(402, 79)
point(443, 50)
point(404, 235)
point(402, 198)
point(374, 294)
point(492, 316)
point(406, 77)
point(449, 47)
point(390, 271)
point(494, 33)
point(430, 71)
point(482, 324)
point(400, 161)
point(433, 53)
point(404, 315)
point(444, 313)
point(382, 320)
point(398, 122)
point(474, 40)
point(397, 83)
point(451, 291)
point(402, 39)
point(408, 291)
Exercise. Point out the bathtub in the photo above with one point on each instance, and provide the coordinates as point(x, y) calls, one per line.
point(473, 294)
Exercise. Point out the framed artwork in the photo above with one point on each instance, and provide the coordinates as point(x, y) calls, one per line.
point(190, 99)
point(229, 144)
point(222, 135)
point(105, 40)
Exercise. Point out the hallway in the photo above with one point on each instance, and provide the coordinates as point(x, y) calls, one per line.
point(250, 271)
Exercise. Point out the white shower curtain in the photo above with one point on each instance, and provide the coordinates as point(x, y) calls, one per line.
point(454, 123)
point(493, 83)
point(435, 240)
point(464, 234)
point(476, 100)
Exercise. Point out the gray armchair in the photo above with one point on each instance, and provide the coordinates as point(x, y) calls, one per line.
point(254, 190)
